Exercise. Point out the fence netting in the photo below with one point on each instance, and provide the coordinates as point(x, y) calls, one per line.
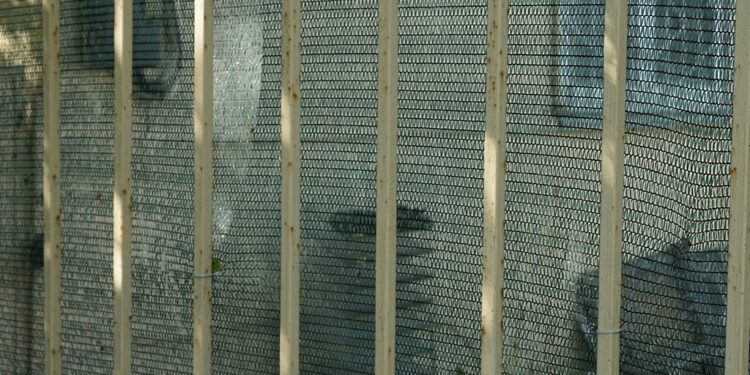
point(677, 144)
point(21, 332)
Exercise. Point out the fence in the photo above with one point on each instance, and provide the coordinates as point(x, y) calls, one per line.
point(557, 188)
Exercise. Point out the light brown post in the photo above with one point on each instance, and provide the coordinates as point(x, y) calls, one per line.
point(738, 273)
point(122, 208)
point(495, 141)
point(51, 187)
point(203, 80)
point(613, 164)
point(290, 187)
point(385, 238)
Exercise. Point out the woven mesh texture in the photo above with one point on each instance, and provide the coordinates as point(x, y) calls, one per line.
point(162, 196)
point(676, 190)
point(162, 146)
point(21, 304)
point(339, 105)
point(678, 141)
point(246, 187)
point(86, 146)
point(552, 182)
point(442, 53)
point(676, 186)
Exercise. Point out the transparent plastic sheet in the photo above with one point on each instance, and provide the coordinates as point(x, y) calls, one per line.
point(247, 190)
point(339, 117)
point(21, 303)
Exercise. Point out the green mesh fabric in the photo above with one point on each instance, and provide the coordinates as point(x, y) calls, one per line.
point(162, 196)
point(21, 325)
point(553, 177)
point(162, 146)
point(442, 53)
point(339, 117)
point(678, 141)
point(676, 186)
point(86, 153)
point(246, 187)
point(679, 85)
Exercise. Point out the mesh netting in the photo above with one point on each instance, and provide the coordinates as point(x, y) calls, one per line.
point(162, 186)
point(552, 228)
point(246, 187)
point(21, 242)
point(678, 134)
point(678, 141)
point(676, 208)
point(339, 105)
point(162, 196)
point(86, 144)
point(442, 53)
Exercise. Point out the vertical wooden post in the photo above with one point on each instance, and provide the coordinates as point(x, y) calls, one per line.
point(738, 273)
point(495, 142)
point(290, 187)
point(203, 80)
point(122, 207)
point(613, 165)
point(385, 238)
point(51, 187)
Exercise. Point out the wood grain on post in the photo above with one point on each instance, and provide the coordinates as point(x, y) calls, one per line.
point(203, 117)
point(122, 207)
point(290, 187)
point(738, 272)
point(613, 165)
point(495, 142)
point(385, 238)
point(51, 187)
